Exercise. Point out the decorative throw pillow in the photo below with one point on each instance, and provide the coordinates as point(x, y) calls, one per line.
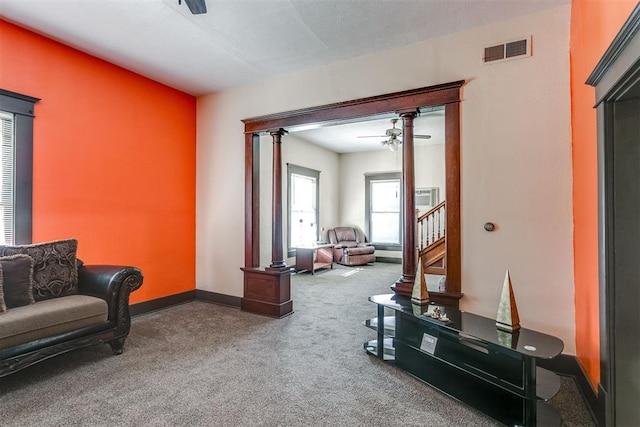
point(55, 273)
point(16, 281)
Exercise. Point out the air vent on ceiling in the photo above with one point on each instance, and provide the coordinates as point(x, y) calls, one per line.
point(508, 50)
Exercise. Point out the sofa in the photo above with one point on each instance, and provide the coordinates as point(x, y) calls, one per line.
point(350, 247)
point(51, 303)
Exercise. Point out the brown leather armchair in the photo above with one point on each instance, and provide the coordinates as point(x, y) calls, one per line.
point(350, 247)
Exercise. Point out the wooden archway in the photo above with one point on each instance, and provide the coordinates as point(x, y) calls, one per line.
point(267, 290)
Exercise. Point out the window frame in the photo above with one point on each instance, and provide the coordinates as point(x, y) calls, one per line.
point(22, 107)
point(293, 169)
point(368, 179)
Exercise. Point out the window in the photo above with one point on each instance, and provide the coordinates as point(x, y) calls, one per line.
point(16, 166)
point(383, 199)
point(303, 201)
point(7, 152)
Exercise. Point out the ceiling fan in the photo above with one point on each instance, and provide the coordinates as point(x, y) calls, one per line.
point(195, 6)
point(392, 134)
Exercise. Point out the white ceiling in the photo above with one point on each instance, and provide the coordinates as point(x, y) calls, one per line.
point(347, 138)
point(242, 41)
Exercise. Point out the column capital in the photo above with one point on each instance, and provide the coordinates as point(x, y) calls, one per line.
point(412, 112)
point(277, 134)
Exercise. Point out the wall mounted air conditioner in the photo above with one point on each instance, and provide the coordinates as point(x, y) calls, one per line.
point(426, 198)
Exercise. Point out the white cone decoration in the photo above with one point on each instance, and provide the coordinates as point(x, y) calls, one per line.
point(508, 319)
point(420, 295)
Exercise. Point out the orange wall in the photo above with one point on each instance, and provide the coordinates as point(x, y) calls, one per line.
point(594, 25)
point(114, 160)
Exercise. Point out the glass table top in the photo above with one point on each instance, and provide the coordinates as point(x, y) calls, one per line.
point(473, 326)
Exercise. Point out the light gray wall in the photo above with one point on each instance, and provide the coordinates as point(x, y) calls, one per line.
point(516, 168)
point(429, 164)
point(300, 153)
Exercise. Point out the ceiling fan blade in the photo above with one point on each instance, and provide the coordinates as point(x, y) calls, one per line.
point(422, 136)
point(196, 6)
point(373, 136)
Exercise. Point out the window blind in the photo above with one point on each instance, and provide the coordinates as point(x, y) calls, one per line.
point(7, 174)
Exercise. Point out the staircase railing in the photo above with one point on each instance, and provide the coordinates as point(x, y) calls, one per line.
point(431, 225)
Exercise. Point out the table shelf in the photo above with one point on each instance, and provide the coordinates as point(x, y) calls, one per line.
point(389, 351)
point(389, 325)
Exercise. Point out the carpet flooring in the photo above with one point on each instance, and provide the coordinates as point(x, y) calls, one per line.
point(200, 364)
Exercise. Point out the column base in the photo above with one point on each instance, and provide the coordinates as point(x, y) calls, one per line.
point(277, 265)
point(404, 285)
point(267, 292)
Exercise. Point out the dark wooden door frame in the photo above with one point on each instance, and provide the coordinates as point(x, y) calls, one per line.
point(616, 79)
point(448, 94)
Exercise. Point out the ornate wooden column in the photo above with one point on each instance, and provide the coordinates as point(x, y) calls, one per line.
point(277, 257)
point(268, 291)
point(404, 285)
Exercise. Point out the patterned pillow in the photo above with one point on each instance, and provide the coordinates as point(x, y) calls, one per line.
point(55, 273)
point(16, 281)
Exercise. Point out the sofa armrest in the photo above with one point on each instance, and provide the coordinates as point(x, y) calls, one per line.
point(113, 284)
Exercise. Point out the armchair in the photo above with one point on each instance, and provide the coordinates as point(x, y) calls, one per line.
point(350, 247)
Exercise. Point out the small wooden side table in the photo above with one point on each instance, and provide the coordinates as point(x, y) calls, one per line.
point(312, 258)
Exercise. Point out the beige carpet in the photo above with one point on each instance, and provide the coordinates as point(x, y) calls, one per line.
point(199, 364)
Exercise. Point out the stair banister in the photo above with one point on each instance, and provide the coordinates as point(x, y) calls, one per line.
point(431, 225)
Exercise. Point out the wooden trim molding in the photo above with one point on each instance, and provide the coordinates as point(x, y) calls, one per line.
point(452, 171)
point(17, 103)
point(569, 366)
point(23, 108)
point(389, 260)
point(160, 303)
point(616, 78)
point(334, 113)
point(447, 94)
point(216, 298)
point(252, 200)
point(618, 45)
point(184, 297)
point(617, 70)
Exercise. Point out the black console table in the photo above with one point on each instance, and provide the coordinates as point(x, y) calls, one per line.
point(467, 357)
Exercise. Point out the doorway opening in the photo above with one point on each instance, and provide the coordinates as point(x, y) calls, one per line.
point(406, 104)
